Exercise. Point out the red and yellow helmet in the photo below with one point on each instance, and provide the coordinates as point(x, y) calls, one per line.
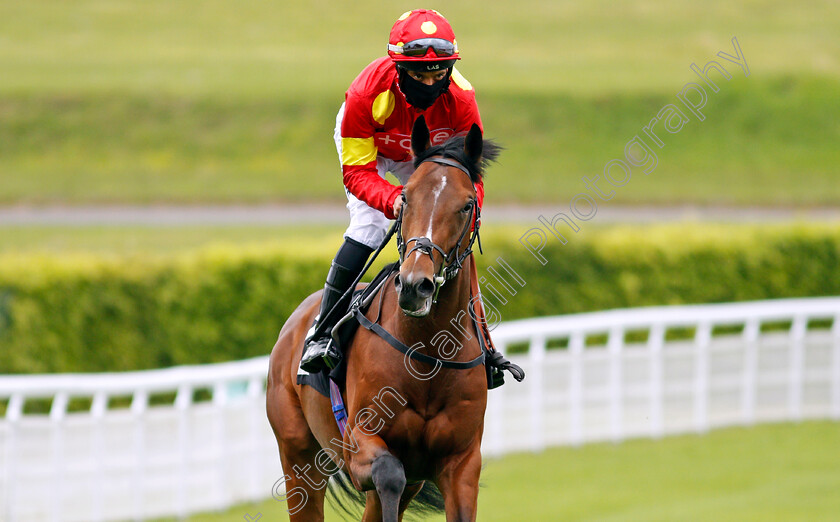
point(423, 40)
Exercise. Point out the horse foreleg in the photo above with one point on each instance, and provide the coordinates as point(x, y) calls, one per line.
point(372, 466)
point(458, 482)
point(385, 504)
point(373, 506)
point(409, 493)
point(389, 478)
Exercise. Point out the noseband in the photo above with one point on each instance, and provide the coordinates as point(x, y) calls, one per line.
point(452, 262)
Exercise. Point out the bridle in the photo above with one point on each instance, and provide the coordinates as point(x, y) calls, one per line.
point(452, 261)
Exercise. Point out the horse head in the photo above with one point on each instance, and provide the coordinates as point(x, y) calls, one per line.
point(439, 220)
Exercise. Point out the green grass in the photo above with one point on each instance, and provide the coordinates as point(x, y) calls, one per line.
point(785, 472)
point(126, 101)
point(163, 240)
point(169, 241)
point(763, 141)
point(274, 49)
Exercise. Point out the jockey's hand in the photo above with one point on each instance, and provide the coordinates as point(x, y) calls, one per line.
point(398, 205)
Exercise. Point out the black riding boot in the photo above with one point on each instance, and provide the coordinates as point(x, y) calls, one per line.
point(319, 352)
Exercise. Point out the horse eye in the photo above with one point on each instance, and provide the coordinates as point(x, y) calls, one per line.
point(467, 207)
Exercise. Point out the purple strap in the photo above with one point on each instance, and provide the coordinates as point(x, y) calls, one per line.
point(338, 407)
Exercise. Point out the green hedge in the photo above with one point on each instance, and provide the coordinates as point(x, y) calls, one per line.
point(628, 267)
point(95, 313)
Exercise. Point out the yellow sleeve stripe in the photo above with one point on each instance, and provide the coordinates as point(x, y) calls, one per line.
point(460, 81)
point(357, 151)
point(383, 106)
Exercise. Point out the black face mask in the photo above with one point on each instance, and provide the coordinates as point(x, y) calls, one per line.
point(418, 94)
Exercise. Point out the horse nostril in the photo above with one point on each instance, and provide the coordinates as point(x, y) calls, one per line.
point(397, 282)
point(425, 288)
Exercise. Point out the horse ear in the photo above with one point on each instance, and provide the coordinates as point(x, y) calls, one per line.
point(420, 136)
point(474, 143)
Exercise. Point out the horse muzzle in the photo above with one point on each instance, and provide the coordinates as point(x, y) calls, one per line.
point(415, 294)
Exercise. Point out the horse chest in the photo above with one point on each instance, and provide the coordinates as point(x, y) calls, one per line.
point(446, 430)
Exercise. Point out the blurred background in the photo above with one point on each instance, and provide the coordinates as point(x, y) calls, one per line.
point(169, 191)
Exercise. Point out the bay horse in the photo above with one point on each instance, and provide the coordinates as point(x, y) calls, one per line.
point(408, 422)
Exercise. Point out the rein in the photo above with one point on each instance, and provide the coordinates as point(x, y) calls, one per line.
point(376, 328)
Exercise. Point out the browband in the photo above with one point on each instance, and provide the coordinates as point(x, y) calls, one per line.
point(450, 163)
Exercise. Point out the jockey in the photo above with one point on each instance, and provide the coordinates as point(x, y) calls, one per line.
point(373, 137)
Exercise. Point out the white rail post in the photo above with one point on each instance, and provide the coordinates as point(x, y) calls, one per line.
point(749, 378)
point(798, 329)
point(702, 338)
point(98, 408)
point(536, 355)
point(183, 400)
point(57, 412)
point(14, 411)
point(576, 345)
point(615, 349)
point(254, 393)
point(656, 339)
point(496, 404)
point(835, 368)
point(220, 400)
point(139, 403)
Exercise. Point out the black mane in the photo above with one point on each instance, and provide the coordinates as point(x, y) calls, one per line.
point(454, 148)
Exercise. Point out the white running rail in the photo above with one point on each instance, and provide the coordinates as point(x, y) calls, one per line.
point(178, 441)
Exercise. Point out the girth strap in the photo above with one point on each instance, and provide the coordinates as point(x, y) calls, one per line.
point(423, 358)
